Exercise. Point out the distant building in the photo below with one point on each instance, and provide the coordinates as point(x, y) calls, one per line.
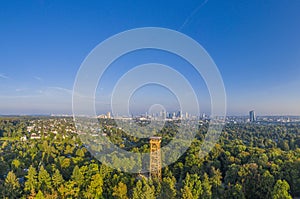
point(102, 116)
point(30, 128)
point(108, 116)
point(174, 115)
point(23, 138)
point(163, 114)
point(178, 114)
point(252, 116)
point(35, 136)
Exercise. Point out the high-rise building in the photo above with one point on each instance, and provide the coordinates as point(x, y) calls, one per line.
point(252, 116)
point(178, 114)
point(164, 114)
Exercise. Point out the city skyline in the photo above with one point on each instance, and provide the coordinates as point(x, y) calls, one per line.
point(254, 44)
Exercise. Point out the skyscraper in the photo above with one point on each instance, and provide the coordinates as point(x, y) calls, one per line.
point(252, 116)
point(108, 116)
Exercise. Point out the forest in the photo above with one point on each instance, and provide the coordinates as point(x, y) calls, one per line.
point(43, 157)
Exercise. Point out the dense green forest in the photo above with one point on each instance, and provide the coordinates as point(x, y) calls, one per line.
point(42, 157)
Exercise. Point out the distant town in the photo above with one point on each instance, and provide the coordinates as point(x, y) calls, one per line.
point(177, 115)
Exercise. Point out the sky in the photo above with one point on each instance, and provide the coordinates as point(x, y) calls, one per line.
point(255, 45)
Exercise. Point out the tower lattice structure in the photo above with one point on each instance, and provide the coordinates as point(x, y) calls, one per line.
point(155, 158)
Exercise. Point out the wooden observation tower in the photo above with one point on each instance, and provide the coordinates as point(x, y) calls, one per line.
point(155, 158)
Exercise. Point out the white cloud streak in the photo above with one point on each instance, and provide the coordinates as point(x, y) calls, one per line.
point(2, 76)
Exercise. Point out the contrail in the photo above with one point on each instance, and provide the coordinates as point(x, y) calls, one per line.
point(3, 76)
point(192, 14)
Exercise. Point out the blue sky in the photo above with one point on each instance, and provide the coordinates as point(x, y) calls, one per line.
point(255, 44)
